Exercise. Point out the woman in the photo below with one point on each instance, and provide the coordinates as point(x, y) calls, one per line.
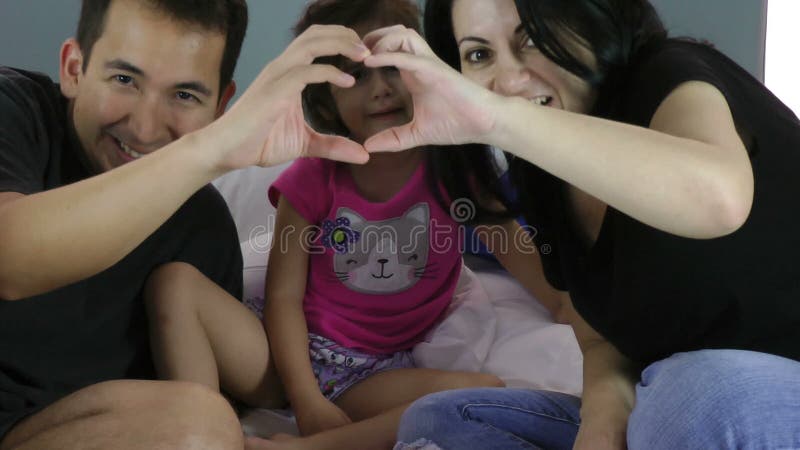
point(660, 176)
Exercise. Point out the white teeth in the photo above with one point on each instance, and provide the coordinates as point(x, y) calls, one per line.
point(542, 100)
point(129, 151)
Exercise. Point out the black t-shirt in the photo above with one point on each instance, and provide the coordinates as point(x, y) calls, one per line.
point(652, 293)
point(96, 329)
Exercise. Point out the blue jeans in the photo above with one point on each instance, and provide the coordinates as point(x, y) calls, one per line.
point(709, 399)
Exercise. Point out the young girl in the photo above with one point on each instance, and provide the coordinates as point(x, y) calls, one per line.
point(381, 261)
point(365, 261)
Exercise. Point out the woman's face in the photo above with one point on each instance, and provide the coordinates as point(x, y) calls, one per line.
point(496, 53)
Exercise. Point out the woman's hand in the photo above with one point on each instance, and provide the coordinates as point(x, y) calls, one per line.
point(319, 415)
point(604, 419)
point(266, 126)
point(448, 108)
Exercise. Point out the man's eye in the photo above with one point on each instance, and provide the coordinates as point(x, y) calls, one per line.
point(123, 79)
point(185, 96)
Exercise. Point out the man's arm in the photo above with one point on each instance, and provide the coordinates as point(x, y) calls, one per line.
point(58, 237)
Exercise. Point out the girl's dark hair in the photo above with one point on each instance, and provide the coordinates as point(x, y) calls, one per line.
point(317, 100)
point(613, 30)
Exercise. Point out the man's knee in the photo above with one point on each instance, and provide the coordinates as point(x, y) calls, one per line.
point(166, 414)
point(199, 414)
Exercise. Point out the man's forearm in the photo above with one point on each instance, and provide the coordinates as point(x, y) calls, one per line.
point(61, 236)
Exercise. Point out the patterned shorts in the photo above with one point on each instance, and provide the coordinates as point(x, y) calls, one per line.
point(338, 368)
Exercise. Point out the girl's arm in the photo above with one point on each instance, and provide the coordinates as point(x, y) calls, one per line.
point(286, 326)
point(514, 249)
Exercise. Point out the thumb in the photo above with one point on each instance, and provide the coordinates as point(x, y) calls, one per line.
point(391, 140)
point(336, 148)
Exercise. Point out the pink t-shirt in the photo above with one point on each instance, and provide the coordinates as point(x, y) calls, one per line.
point(380, 274)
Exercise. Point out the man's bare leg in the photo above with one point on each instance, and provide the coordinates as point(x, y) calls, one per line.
point(131, 415)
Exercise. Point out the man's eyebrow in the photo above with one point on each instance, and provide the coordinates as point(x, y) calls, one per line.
point(120, 64)
point(194, 86)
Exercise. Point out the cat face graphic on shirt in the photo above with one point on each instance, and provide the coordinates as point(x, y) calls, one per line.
point(386, 257)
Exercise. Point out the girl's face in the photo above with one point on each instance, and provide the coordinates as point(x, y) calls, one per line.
point(379, 99)
point(496, 52)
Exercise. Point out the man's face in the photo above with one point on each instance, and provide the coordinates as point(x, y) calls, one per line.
point(149, 81)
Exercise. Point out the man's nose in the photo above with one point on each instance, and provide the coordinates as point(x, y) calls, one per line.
point(148, 122)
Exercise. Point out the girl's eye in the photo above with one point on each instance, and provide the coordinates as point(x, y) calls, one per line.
point(413, 258)
point(351, 261)
point(357, 73)
point(477, 56)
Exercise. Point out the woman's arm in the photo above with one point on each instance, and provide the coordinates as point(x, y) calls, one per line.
point(688, 174)
point(286, 326)
point(608, 388)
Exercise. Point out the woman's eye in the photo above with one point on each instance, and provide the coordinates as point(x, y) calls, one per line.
point(476, 56)
point(528, 43)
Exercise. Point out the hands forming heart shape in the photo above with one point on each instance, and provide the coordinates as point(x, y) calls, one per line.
point(267, 127)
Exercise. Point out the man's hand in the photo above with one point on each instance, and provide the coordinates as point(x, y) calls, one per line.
point(266, 126)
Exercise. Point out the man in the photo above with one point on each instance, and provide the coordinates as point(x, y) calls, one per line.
point(104, 203)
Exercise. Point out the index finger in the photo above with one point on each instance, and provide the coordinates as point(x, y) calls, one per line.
point(376, 35)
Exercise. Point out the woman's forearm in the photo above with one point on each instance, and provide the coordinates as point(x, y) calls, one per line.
point(679, 185)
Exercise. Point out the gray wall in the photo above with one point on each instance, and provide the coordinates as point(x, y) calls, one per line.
point(31, 31)
point(736, 27)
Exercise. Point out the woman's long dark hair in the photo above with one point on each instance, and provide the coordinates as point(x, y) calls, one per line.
point(613, 30)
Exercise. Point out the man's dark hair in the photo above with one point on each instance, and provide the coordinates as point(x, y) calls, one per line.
point(348, 13)
point(228, 17)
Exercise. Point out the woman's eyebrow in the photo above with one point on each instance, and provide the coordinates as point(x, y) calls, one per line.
point(473, 38)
